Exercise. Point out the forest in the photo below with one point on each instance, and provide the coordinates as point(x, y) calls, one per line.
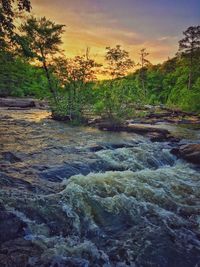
point(33, 64)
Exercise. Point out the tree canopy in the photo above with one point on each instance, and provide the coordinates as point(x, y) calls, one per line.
point(7, 12)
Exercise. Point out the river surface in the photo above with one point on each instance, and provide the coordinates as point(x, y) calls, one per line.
point(90, 198)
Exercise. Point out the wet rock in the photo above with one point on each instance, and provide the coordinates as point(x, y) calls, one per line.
point(18, 108)
point(118, 145)
point(11, 227)
point(160, 137)
point(67, 261)
point(19, 253)
point(96, 148)
point(190, 152)
point(157, 137)
point(41, 104)
point(58, 117)
point(15, 102)
point(132, 128)
point(11, 157)
point(57, 174)
point(108, 126)
point(155, 134)
point(10, 181)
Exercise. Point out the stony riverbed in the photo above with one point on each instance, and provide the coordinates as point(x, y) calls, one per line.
point(77, 196)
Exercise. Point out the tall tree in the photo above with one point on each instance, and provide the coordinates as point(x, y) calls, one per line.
point(188, 47)
point(41, 40)
point(119, 62)
point(114, 102)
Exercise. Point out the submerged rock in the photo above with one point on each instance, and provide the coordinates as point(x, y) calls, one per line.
point(190, 152)
point(99, 147)
point(11, 157)
point(11, 227)
point(19, 253)
point(57, 174)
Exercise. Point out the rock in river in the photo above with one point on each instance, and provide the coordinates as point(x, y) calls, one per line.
point(11, 226)
point(190, 152)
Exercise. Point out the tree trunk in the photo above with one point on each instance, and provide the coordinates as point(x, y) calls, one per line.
point(142, 75)
point(190, 80)
point(143, 86)
point(51, 89)
point(49, 81)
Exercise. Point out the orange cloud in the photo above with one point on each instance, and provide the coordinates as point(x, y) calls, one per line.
point(88, 29)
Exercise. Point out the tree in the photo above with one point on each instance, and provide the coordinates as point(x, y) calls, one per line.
point(41, 40)
point(73, 75)
point(19, 78)
point(144, 63)
point(188, 47)
point(114, 95)
point(118, 61)
point(7, 15)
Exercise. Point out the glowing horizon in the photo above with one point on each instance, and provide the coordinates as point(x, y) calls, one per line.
point(153, 24)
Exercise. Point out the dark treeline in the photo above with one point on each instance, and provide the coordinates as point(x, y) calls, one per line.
point(33, 64)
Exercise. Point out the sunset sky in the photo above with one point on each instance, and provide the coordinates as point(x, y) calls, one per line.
point(135, 24)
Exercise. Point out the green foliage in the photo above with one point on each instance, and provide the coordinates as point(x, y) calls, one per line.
point(41, 40)
point(71, 84)
point(60, 109)
point(118, 61)
point(18, 78)
point(75, 77)
point(7, 13)
point(42, 36)
point(114, 100)
point(189, 48)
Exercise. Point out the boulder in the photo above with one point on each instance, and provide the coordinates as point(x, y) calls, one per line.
point(162, 137)
point(58, 117)
point(18, 103)
point(189, 152)
point(96, 148)
point(155, 134)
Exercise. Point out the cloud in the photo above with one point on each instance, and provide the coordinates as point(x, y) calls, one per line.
point(97, 24)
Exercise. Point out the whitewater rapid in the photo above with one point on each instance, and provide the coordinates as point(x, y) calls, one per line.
point(128, 203)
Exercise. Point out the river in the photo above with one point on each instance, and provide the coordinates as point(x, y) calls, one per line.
point(77, 196)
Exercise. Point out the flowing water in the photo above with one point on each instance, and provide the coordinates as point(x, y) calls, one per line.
point(92, 198)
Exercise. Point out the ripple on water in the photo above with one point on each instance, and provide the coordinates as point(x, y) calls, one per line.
point(147, 214)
